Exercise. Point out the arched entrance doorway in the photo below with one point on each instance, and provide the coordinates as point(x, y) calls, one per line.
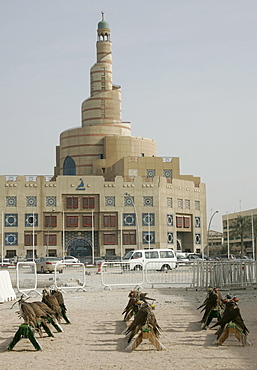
point(79, 247)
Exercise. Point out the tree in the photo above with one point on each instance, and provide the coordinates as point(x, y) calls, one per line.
point(254, 232)
point(241, 227)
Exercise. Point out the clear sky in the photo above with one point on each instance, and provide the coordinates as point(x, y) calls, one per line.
point(188, 71)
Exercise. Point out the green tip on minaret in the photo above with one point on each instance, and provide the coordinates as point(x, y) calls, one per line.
point(103, 23)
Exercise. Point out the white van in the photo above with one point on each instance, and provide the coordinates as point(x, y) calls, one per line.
point(151, 259)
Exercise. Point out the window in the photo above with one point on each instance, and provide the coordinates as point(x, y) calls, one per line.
point(197, 238)
point(197, 205)
point(129, 237)
point(169, 202)
point(170, 238)
point(72, 202)
point(88, 202)
point(72, 221)
point(180, 203)
point(52, 253)
point(166, 254)
point(109, 220)
point(153, 254)
point(187, 222)
point(197, 222)
point(10, 253)
point(169, 220)
point(179, 221)
point(187, 204)
point(69, 167)
point(50, 221)
point(50, 239)
point(87, 220)
point(137, 255)
point(28, 239)
point(109, 238)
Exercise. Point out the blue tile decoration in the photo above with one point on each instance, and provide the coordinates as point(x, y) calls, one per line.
point(128, 201)
point(169, 220)
point(81, 185)
point(167, 173)
point(11, 201)
point(148, 219)
point(31, 219)
point(148, 236)
point(150, 173)
point(148, 201)
point(170, 239)
point(129, 219)
point(31, 201)
point(109, 201)
point(198, 239)
point(10, 219)
point(197, 222)
point(50, 201)
point(11, 238)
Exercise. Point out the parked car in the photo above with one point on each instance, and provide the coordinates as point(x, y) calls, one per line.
point(6, 262)
point(47, 264)
point(70, 259)
point(112, 258)
point(181, 260)
point(193, 257)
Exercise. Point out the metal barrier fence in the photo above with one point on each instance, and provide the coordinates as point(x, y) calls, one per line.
point(225, 274)
point(26, 277)
point(118, 274)
point(72, 276)
point(198, 274)
point(182, 276)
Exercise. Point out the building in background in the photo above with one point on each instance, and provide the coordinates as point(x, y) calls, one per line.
point(232, 237)
point(215, 241)
point(110, 192)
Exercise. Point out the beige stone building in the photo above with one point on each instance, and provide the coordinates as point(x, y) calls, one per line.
point(110, 192)
point(232, 242)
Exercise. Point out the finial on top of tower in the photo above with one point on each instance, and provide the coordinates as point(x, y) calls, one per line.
point(103, 23)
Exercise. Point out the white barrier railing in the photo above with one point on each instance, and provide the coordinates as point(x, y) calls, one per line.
point(225, 274)
point(180, 277)
point(6, 290)
point(198, 274)
point(119, 274)
point(73, 276)
point(26, 277)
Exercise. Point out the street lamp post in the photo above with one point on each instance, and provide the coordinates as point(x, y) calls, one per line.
point(137, 220)
point(208, 233)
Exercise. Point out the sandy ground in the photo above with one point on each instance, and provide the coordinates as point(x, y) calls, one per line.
point(94, 340)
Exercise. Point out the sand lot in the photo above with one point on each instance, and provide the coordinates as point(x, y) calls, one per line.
point(94, 340)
